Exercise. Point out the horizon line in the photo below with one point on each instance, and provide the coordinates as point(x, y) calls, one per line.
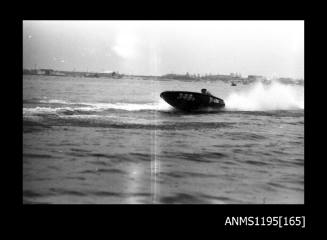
point(133, 74)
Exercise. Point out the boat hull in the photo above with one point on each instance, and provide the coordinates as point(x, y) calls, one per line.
point(192, 101)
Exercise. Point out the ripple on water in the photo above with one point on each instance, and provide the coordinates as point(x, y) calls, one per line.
point(102, 170)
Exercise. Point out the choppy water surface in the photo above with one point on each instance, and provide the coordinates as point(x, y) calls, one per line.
point(93, 140)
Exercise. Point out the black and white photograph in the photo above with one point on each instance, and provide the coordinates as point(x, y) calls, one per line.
point(163, 112)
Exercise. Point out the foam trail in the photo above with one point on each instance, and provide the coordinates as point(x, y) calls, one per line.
point(55, 101)
point(97, 107)
point(275, 96)
point(163, 106)
point(159, 106)
point(40, 110)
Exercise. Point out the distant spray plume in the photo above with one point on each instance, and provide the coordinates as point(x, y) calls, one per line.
point(260, 97)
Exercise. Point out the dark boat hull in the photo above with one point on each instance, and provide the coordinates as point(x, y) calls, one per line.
point(192, 101)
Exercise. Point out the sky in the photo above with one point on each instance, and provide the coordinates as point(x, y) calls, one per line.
point(268, 48)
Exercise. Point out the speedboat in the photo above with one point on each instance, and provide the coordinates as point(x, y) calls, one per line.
point(192, 101)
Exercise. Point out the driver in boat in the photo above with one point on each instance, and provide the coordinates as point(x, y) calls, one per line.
point(205, 91)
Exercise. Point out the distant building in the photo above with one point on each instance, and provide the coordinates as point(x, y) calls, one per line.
point(286, 80)
point(57, 73)
point(39, 72)
point(91, 75)
point(235, 75)
point(46, 71)
point(256, 77)
point(27, 71)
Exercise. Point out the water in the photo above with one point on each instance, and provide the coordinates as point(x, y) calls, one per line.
point(94, 140)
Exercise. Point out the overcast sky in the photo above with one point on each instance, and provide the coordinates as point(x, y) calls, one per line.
point(269, 48)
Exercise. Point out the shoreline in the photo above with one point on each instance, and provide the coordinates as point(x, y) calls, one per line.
point(235, 81)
